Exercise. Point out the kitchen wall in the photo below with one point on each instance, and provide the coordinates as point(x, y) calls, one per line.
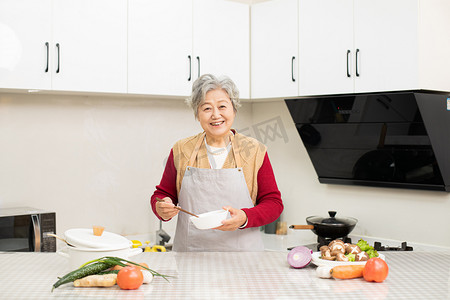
point(97, 159)
point(93, 160)
point(398, 214)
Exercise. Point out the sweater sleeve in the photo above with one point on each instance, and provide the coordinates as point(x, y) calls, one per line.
point(269, 205)
point(167, 186)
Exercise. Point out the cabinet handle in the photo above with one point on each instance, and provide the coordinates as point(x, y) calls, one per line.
point(198, 60)
point(348, 55)
point(57, 48)
point(190, 68)
point(47, 46)
point(292, 68)
point(356, 63)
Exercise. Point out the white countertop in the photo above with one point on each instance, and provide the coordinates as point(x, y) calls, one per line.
point(231, 275)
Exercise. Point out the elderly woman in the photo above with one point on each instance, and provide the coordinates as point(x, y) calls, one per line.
point(218, 168)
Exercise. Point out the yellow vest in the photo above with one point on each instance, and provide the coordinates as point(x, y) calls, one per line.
point(251, 151)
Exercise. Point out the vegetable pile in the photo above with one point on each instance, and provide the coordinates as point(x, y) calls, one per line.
point(340, 251)
point(107, 271)
point(376, 270)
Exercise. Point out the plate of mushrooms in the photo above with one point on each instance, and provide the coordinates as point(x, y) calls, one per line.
point(337, 253)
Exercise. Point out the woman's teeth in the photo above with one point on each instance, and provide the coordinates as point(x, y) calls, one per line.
point(216, 123)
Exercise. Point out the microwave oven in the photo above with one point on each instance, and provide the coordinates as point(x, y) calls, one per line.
point(24, 229)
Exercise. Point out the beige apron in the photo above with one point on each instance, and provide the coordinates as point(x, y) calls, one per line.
point(204, 190)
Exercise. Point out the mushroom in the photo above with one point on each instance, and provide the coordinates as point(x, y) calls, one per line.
point(337, 247)
point(324, 249)
point(341, 257)
point(354, 249)
point(335, 241)
point(361, 256)
point(326, 253)
point(329, 257)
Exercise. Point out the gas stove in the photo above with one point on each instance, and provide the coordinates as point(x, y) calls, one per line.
point(321, 241)
point(403, 247)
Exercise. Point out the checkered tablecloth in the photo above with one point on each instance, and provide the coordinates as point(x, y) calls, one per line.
point(264, 275)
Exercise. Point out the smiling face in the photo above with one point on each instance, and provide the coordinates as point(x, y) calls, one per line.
point(216, 116)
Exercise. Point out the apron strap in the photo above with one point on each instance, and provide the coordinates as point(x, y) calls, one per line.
point(235, 147)
point(197, 147)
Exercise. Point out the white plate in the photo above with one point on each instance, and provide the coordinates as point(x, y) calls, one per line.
point(333, 263)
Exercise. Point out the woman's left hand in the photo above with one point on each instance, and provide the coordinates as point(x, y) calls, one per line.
point(238, 218)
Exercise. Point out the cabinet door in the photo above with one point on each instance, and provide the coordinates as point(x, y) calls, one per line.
point(386, 36)
point(25, 28)
point(274, 51)
point(92, 45)
point(160, 47)
point(325, 39)
point(221, 41)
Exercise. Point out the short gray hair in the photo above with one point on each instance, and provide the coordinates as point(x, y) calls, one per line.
point(209, 82)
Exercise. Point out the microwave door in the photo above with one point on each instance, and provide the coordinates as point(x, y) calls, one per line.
point(36, 231)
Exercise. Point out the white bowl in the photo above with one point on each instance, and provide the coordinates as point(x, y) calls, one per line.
point(210, 219)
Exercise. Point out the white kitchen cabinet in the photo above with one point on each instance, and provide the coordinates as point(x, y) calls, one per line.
point(274, 51)
point(92, 36)
point(368, 46)
point(172, 42)
point(386, 45)
point(160, 47)
point(25, 37)
point(63, 45)
point(325, 44)
point(222, 41)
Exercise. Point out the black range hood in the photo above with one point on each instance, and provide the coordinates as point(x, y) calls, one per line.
point(394, 139)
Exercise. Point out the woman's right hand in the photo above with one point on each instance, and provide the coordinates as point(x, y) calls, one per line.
point(166, 209)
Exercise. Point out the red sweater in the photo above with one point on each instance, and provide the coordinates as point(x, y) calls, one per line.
point(268, 205)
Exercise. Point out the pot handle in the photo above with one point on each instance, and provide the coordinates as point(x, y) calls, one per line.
point(135, 251)
point(63, 253)
point(302, 226)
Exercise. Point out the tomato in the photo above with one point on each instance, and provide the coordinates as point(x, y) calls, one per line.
point(130, 278)
point(376, 270)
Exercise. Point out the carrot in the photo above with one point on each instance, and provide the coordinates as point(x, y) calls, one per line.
point(141, 266)
point(117, 267)
point(347, 271)
point(96, 280)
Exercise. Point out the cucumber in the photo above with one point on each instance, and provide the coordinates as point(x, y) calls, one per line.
point(87, 270)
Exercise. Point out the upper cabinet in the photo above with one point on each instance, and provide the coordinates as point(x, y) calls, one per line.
point(274, 51)
point(25, 37)
point(385, 52)
point(172, 42)
point(90, 45)
point(325, 46)
point(367, 46)
point(160, 47)
point(222, 41)
point(152, 47)
point(63, 45)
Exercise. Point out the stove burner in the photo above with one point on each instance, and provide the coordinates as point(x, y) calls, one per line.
point(377, 246)
point(325, 240)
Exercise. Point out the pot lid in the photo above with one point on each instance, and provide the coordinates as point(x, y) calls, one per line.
point(332, 220)
point(83, 237)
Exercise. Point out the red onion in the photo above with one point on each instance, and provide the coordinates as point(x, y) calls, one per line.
point(299, 257)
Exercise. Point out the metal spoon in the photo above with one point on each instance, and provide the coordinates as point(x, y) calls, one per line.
point(60, 238)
